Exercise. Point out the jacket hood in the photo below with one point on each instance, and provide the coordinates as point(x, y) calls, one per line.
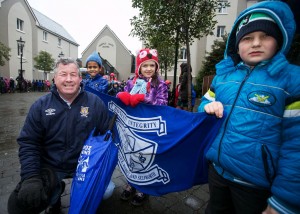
point(280, 13)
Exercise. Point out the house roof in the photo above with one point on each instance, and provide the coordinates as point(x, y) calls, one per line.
point(106, 27)
point(53, 27)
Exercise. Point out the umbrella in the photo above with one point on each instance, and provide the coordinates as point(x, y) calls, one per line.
point(96, 164)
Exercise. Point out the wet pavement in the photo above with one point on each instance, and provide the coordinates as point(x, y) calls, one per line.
point(13, 111)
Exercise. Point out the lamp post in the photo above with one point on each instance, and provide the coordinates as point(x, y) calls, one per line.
point(21, 44)
point(61, 54)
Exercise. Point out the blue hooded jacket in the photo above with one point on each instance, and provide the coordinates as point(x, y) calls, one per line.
point(97, 83)
point(258, 145)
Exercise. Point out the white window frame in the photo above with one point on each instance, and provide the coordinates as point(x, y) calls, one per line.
point(222, 10)
point(45, 36)
point(20, 24)
point(220, 31)
point(183, 53)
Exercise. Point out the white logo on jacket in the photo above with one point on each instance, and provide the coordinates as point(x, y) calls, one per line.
point(50, 111)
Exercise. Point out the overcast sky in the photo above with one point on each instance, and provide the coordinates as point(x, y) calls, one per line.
point(85, 19)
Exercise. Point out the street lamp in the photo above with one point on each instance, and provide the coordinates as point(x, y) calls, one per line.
point(21, 44)
point(61, 54)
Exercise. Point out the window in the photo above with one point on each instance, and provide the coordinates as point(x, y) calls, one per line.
point(20, 25)
point(220, 31)
point(182, 53)
point(222, 8)
point(45, 35)
point(59, 43)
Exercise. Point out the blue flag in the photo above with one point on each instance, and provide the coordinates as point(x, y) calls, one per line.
point(161, 149)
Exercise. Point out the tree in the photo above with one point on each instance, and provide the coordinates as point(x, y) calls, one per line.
point(152, 36)
point(210, 60)
point(175, 22)
point(44, 62)
point(4, 54)
point(294, 54)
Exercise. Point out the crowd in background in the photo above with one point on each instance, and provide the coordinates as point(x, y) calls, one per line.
point(9, 85)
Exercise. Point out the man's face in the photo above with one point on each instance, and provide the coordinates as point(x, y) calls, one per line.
point(67, 80)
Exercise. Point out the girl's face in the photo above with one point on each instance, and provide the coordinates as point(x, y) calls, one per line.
point(256, 47)
point(93, 68)
point(148, 68)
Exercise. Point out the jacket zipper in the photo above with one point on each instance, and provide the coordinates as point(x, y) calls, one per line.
point(226, 122)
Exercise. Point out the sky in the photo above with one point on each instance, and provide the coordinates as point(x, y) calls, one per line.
point(83, 20)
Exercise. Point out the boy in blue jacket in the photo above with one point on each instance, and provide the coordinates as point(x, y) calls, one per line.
point(255, 156)
point(94, 78)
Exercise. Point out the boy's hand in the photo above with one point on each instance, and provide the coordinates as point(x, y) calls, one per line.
point(214, 108)
point(270, 210)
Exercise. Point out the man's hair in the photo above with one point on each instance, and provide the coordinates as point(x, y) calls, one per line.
point(66, 61)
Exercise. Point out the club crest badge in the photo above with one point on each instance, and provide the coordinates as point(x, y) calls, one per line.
point(84, 111)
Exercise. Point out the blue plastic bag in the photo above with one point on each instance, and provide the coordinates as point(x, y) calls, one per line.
point(96, 164)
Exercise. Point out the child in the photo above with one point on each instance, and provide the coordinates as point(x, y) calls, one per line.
point(94, 78)
point(255, 156)
point(146, 87)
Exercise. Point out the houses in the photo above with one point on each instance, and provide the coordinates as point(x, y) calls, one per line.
point(41, 33)
point(115, 56)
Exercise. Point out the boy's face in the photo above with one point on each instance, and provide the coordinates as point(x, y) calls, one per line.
point(148, 68)
point(93, 68)
point(256, 47)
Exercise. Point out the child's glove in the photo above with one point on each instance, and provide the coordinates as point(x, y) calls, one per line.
point(136, 99)
point(124, 97)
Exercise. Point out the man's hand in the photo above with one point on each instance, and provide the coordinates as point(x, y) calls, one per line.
point(214, 108)
point(270, 210)
point(32, 193)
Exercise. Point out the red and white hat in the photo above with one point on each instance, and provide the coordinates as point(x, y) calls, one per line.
point(146, 55)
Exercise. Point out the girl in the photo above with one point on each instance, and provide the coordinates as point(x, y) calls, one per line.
point(146, 87)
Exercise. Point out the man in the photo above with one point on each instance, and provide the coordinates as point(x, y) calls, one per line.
point(51, 140)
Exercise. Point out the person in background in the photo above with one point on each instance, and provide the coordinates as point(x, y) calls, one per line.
point(182, 100)
point(52, 138)
point(112, 77)
point(94, 78)
point(168, 82)
point(254, 160)
point(194, 95)
point(146, 87)
point(115, 89)
point(12, 85)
